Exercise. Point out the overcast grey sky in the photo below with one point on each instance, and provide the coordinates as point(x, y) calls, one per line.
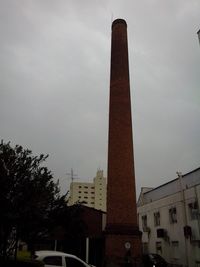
point(54, 83)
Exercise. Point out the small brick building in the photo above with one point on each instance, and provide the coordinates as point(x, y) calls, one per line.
point(83, 235)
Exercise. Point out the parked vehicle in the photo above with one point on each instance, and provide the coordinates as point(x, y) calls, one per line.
point(153, 260)
point(59, 259)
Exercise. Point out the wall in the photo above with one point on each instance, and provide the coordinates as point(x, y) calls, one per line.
point(175, 248)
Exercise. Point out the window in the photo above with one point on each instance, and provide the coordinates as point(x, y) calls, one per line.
point(157, 218)
point(158, 247)
point(85, 192)
point(144, 222)
point(53, 260)
point(71, 262)
point(172, 215)
point(80, 186)
point(85, 186)
point(175, 250)
point(85, 197)
point(193, 210)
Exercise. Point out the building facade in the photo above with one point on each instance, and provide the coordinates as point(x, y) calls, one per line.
point(90, 194)
point(169, 218)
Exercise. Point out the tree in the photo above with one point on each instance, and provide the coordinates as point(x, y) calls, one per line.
point(28, 195)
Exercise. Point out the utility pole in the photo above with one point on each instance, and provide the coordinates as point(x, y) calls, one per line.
point(180, 177)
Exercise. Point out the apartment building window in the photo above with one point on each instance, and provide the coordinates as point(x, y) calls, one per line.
point(159, 247)
point(157, 218)
point(85, 192)
point(172, 215)
point(85, 186)
point(144, 222)
point(80, 186)
point(193, 210)
point(92, 192)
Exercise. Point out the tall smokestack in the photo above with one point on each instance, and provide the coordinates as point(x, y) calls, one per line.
point(122, 234)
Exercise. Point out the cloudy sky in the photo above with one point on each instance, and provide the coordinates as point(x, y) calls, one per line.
point(54, 83)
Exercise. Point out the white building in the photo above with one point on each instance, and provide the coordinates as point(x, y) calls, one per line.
point(90, 194)
point(169, 218)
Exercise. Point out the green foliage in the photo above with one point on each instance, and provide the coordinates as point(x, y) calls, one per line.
point(28, 195)
point(23, 255)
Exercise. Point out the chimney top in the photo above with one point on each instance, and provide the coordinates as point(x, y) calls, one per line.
point(117, 21)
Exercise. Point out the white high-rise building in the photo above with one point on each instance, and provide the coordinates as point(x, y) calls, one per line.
point(90, 194)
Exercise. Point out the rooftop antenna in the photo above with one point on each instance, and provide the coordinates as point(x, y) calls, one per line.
point(72, 175)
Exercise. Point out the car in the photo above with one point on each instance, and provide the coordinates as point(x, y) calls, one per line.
point(153, 260)
point(59, 259)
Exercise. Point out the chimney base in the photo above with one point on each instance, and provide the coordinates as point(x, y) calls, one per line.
point(129, 246)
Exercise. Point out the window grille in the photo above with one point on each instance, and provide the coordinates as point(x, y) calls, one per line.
point(172, 215)
point(157, 218)
point(144, 222)
point(193, 210)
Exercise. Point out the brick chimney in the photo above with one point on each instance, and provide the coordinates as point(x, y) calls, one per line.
point(123, 238)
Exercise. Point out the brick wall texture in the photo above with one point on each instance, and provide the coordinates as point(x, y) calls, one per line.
point(121, 198)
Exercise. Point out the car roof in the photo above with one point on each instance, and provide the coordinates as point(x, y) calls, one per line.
point(40, 254)
point(52, 253)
